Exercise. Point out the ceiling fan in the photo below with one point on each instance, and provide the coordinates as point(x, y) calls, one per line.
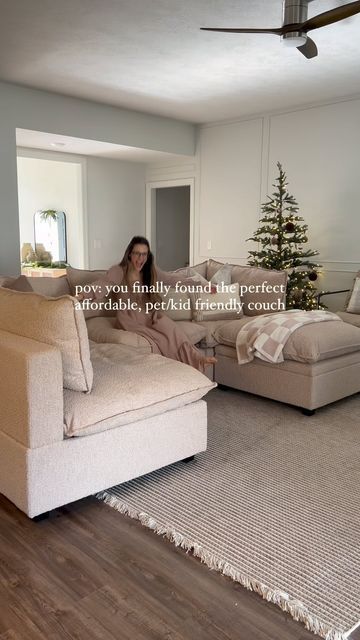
point(295, 27)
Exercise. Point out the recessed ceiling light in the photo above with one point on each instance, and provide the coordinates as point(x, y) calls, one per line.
point(57, 144)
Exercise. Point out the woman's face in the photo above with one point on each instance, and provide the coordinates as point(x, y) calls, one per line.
point(138, 256)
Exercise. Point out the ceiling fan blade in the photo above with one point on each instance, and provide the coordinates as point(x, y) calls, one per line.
point(276, 32)
point(334, 15)
point(309, 49)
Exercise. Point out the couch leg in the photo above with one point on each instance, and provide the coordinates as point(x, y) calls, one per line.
point(41, 516)
point(189, 459)
point(223, 387)
point(308, 412)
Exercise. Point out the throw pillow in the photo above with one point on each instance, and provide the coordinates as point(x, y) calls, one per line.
point(261, 290)
point(54, 321)
point(19, 284)
point(354, 302)
point(190, 272)
point(223, 305)
point(222, 275)
point(177, 305)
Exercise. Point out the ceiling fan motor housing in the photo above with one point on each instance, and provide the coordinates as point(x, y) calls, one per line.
point(294, 11)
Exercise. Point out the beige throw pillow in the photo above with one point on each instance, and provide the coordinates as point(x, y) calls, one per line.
point(223, 305)
point(354, 302)
point(19, 284)
point(177, 305)
point(54, 321)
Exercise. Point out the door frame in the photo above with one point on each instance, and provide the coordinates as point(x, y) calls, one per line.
point(57, 156)
point(150, 210)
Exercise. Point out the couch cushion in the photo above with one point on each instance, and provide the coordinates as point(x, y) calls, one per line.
point(53, 321)
point(251, 281)
point(103, 330)
point(351, 318)
point(130, 386)
point(210, 326)
point(82, 277)
point(201, 268)
point(222, 305)
point(51, 287)
point(19, 284)
point(310, 343)
point(177, 305)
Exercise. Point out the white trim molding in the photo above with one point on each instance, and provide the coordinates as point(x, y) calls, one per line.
point(150, 203)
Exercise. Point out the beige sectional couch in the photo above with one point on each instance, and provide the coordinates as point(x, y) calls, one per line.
point(78, 416)
point(144, 411)
point(322, 362)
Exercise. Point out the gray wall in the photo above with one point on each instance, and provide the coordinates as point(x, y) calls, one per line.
point(172, 227)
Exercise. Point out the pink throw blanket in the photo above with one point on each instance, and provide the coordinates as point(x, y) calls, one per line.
point(266, 335)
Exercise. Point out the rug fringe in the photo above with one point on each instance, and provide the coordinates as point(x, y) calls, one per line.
point(294, 607)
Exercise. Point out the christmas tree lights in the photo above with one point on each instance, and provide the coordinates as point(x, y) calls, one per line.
point(282, 234)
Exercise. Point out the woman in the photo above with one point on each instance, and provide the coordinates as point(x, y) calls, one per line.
point(134, 281)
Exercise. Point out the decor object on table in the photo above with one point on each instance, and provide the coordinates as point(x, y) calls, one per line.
point(282, 235)
point(50, 233)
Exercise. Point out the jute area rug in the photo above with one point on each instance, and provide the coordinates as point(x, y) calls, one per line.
point(273, 503)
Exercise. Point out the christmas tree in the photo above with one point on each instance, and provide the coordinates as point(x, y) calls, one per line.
point(282, 236)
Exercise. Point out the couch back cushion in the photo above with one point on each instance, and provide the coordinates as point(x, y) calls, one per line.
point(51, 287)
point(261, 290)
point(53, 321)
point(18, 284)
point(82, 277)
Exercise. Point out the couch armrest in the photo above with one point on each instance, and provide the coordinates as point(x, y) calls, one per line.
point(321, 294)
point(31, 391)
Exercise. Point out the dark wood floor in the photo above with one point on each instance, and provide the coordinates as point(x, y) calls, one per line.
point(88, 573)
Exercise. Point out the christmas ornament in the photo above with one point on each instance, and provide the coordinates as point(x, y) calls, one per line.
point(289, 227)
point(313, 276)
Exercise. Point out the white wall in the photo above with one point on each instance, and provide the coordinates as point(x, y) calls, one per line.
point(235, 167)
point(115, 207)
point(111, 192)
point(50, 184)
point(41, 111)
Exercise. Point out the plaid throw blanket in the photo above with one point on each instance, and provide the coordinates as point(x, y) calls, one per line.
point(266, 335)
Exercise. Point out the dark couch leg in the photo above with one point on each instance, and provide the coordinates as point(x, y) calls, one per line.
point(308, 412)
point(223, 387)
point(189, 459)
point(41, 516)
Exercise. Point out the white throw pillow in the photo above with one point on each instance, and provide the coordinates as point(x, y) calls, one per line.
point(354, 302)
point(177, 305)
point(223, 305)
point(223, 275)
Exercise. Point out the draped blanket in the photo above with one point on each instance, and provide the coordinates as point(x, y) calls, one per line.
point(266, 335)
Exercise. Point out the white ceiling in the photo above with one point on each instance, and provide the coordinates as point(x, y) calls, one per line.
point(68, 144)
point(150, 55)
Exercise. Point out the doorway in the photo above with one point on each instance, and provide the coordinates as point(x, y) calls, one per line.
point(169, 222)
point(51, 183)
